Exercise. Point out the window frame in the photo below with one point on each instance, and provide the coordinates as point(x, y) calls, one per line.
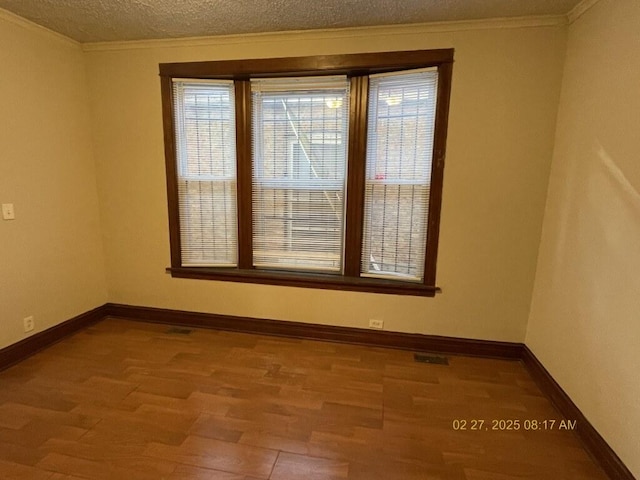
point(357, 67)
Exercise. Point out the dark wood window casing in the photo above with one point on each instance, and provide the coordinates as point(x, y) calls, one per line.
point(357, 67)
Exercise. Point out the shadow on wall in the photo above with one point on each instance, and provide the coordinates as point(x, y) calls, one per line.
point(608, 236)
point(599, 230)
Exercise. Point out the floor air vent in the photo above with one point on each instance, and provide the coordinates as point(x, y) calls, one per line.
point(178, 331)
point(425, 358)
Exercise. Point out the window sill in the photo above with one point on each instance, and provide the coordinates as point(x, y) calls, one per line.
point(306, 280)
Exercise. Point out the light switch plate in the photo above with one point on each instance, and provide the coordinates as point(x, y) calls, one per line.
point(7, 211)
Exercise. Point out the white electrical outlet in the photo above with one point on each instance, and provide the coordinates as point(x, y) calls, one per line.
point(375, 323)
point(29, 324)
point(8, 213)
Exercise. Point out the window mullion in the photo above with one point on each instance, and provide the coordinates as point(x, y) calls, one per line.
point(356, 171)
point(437, 171)
point(171, 170)
point(243, 155)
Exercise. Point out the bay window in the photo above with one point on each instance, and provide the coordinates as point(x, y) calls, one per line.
point(321, 172)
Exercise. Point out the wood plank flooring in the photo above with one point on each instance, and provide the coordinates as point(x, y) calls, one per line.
point(129, 400)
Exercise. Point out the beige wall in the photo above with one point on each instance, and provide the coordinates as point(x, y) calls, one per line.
point(505, 93)
point(585, 317)
point(51, 258)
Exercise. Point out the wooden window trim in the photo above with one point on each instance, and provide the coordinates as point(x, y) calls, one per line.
point(357, 67)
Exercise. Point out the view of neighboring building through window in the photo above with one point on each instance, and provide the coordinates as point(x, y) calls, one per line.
point(299, 137)
point(336, 186)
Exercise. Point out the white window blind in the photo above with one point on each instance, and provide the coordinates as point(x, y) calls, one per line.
point(206, 153)
point(299, 135)
point(401, 120)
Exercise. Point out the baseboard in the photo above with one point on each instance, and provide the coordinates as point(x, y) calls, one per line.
point(25, 348)
point(593, 442)
point(597, 446)
point(378, 338)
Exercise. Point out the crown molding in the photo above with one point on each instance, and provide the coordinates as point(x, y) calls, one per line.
point(37, 29)
point(579, 10)
point(333, 34)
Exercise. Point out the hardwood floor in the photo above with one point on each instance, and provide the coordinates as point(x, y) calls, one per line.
point(129, 400)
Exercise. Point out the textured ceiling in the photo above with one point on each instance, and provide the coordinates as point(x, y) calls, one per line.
point(114, 20)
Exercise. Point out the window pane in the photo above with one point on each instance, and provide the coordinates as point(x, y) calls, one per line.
point(401, 121)
point(299, 153)
point(206, 151)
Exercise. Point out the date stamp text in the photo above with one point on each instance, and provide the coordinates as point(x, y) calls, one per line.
point(474, 424)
